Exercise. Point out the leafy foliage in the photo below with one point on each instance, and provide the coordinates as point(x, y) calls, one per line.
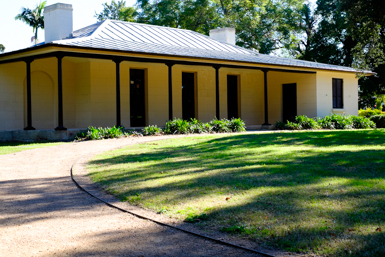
point(34, 18)
point(117, 11)
point(2, 48)
point(152, 130)
point(379, 120)
point(179, 126)
point(368, 112)
point(102, 133)
point(332, 121)
point(263, 25)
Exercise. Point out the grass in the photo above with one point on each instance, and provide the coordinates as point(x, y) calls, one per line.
point(7, 148)
point(317, 192)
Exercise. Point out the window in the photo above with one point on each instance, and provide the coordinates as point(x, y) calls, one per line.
point(338, 94)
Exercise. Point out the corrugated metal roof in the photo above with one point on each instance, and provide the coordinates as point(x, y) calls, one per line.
point(128, 36)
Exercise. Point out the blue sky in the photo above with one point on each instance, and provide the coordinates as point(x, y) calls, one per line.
point(16, 35)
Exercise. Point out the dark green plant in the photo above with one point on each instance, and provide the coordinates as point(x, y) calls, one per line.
point(177, 126)
point(152, 130)
point(220, 126)
point(360, 122)
point(379, 120)
point(280, 125)
point(94, 133)
point(306, 122)
point(237, 125)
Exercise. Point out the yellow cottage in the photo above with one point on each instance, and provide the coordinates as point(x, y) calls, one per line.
point(134, 75)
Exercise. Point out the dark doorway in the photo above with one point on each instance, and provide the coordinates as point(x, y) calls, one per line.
point(232, 97)
point(289, 105)
point(137, 98)
point(188, 96)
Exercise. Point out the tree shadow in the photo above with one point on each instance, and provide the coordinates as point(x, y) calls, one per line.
point(340, 188)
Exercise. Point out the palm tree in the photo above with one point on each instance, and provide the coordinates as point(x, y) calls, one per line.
point(33, 18)
point(2, 48)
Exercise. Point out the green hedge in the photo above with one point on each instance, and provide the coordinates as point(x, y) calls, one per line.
point(333, 121)
point(379, 120)
point(175, 126)
point(369, 112)
point(179, 126)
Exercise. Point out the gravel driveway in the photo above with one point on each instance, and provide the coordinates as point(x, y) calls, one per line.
point(42, 212)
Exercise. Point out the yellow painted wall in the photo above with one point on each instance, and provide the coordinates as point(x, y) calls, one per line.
point(306, 95)
point(251, 94)
point(89, 93)
point(205, 87)
point(44, 94)
point(11, 95)
point(325, 93)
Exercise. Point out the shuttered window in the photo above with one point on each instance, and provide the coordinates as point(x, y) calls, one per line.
point(338, 94)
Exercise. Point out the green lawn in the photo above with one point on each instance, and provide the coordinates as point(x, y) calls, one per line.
point(318, 192)
point(7, 148)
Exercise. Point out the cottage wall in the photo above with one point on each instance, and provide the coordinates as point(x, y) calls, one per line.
point(306, 93)
point(324, 91)
point(89, 93)
point(12, 77)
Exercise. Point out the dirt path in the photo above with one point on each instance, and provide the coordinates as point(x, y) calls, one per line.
point(42, 213)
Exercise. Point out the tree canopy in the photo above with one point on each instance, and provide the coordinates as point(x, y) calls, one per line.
point(117, 11)
point(34, 18)
point(2, 48)
point(340, 32)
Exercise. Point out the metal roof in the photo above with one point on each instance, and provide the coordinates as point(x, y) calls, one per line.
point(151, 39)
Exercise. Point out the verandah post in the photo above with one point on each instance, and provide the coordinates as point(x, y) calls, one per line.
point(29, 96)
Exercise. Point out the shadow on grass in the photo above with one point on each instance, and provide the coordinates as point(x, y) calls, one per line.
point(314, 191)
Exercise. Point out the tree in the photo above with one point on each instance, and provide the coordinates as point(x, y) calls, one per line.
point(263, 25)
point(352, 33)
point(2, 48)
point(117, 11)
point(33, 18)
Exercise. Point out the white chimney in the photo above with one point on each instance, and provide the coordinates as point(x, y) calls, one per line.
point(225, 35)
point(58, 22)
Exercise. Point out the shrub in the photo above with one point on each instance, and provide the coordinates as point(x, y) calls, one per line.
point(177, 126)
point(369, 112)
point(220, 126)
point(379, 120)
point(326, 122)
point(293, 126)
point(361, 122)
point(101, 133)
point(306, 122)
point(332, 121)
point(152, 131)
point(237, 125)
point(342, 121)
point(280, 125)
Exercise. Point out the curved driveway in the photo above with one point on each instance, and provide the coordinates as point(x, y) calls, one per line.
point(42, 213)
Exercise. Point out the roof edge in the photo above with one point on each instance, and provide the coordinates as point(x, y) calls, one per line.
point(52, 44)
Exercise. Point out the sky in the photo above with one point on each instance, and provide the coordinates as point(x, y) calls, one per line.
point(16, 35)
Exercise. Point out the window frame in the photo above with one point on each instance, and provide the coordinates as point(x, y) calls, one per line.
point(337, 95)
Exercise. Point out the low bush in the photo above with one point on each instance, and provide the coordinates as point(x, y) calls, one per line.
point(220, 126)
point(379, 120)
point(177, 126)
point(237, 125)
point(152, 130)
point(369, 112)
point(332, 121)
point(94, 133)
